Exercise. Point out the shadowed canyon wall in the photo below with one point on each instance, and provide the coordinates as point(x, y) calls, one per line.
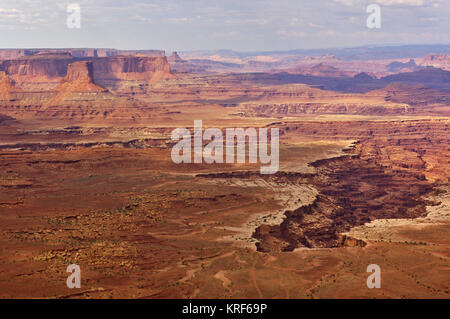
point(44, 71)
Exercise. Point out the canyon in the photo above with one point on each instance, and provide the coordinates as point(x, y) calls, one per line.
point(87, 176)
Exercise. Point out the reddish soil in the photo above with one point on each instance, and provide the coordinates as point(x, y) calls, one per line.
point(87, 178)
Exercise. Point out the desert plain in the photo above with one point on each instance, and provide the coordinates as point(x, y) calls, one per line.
point(87, 178)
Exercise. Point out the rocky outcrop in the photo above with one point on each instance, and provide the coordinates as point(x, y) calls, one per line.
point(119, 72)
point(298, 108)
point(178, 65)
point(414, 95)
point(131, 68)
point(409, 66)
point(43, 71)
point(387, 175)
point(395, 98)
point(363, 76)
point(437, 60)
point(76, 97)
point(79, 79)
point(61, 86)
point(429, 76)
point(352, 192)
point(8, 54)
point(7, 88)
point(79, 93)
point(321, 69)
point(174, 58)
point(348, 241)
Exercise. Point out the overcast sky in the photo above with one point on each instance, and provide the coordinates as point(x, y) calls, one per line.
point(245, 25)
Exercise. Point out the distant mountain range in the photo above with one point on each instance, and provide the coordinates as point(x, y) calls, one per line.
point(358, 53)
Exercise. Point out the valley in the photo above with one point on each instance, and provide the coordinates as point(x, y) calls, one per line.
point(87, 177)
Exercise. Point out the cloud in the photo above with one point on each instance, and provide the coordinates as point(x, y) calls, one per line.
point(227, 24)
point(6, 10)
point(348, 2)
point(291, 33)
point(24, 18)
point(143, 19)
point(247, 21)
point(416, 3)
point(180, 20)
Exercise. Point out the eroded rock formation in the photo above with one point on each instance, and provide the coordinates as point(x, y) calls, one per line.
point(386, 175)
point(7, 87)
point(131, 68)
point(45, 70)
point(174, 57)
point(79, 79)
point(437, 60)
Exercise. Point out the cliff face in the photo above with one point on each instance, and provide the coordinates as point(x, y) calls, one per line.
point(397, 67)
point(79, 81)
point(58, 85)
point(437, 60)
point(37, 72)
point(80, 78)
point(46, 65)
point(130, 68)
point(174, 58)
point(6, 87)
point(76, 98)
point(388, 174)
point(6, 54)
point(46, 70)
point(123, 73)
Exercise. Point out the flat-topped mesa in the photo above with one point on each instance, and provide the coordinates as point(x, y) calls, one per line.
point(78, 81)
point(127, 74)
point(38, 72)
point(44, 70)
point(320, 69)
point(398, 67)
point(80, 78)
point(128, 67)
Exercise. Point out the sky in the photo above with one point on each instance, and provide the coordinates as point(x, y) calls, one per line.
point(241, 25)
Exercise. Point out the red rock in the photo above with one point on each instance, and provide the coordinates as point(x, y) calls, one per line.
point(6, 87)
point(131, 68)
point(437, 60)
point(175, 57)
point(80, 78)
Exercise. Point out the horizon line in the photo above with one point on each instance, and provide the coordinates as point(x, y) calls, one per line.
point(232, 50)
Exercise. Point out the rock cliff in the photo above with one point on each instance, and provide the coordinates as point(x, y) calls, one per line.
point(7, 87)
point(44, 71)
point(437, 60)
point(79, 79)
